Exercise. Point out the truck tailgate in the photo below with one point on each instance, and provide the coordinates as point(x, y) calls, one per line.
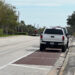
point(53, 38)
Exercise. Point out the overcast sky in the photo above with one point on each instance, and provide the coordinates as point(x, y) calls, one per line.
point(44, 12)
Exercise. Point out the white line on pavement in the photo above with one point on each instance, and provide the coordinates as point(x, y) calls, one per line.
point(16, 60)
point(33, 67)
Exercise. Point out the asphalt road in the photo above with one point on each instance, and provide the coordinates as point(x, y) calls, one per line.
point(20, 55)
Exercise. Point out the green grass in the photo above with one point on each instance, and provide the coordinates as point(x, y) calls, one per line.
point(4, 35)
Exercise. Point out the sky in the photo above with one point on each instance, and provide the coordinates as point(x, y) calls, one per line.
point(44, 12)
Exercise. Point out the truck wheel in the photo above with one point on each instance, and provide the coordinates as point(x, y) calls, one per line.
point(42, 47)
point(63, 48)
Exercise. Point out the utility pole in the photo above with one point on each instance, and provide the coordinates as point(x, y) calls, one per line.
point(37, 26)
point(18, 20)
point(18, 16)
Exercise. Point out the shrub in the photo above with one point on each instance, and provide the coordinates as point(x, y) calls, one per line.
point(22, 33)
point(1, 31)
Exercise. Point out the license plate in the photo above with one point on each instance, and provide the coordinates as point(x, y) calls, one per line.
point(52, 43)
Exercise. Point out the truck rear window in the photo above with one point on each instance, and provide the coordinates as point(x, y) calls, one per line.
point(54, 31)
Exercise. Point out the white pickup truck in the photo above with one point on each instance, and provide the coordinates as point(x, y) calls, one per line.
point(54, 38)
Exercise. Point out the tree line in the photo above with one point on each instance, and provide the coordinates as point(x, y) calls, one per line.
point(9, 23)
point(71, 23)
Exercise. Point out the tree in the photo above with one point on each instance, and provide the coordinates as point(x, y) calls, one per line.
point(71, 21)
point(9, 21)
point(8, 17)
point(40, 30)
point(30, 29)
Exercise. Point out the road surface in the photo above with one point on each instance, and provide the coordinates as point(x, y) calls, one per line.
point(20, 55)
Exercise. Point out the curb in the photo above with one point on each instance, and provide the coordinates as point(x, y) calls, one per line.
point(61, 72)
point(53, 72)
point(57, 68)
point(63, 66)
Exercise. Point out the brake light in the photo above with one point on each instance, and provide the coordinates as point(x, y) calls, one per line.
point(41, 36)
point(63, 38)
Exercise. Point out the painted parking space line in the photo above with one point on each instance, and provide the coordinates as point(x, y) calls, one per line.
point(22, 65)
point(16, 60)
point(32, 67)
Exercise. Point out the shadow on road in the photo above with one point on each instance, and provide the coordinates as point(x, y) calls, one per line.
point(50, 51)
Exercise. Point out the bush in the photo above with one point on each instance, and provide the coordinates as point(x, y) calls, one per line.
point(22, 33)
point(1, 31)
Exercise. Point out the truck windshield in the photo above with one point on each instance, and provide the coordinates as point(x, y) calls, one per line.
point(54, 31)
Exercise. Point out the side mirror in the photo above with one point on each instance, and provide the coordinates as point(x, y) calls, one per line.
point(67, 34)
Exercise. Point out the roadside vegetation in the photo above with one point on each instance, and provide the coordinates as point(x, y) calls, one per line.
point(10, 25)
point(71, 23)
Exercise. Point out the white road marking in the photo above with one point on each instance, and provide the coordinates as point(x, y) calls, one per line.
point(16, 60)
point(33, 67)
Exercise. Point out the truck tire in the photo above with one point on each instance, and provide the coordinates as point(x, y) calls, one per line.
point(42, 47)
point(63, 48)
